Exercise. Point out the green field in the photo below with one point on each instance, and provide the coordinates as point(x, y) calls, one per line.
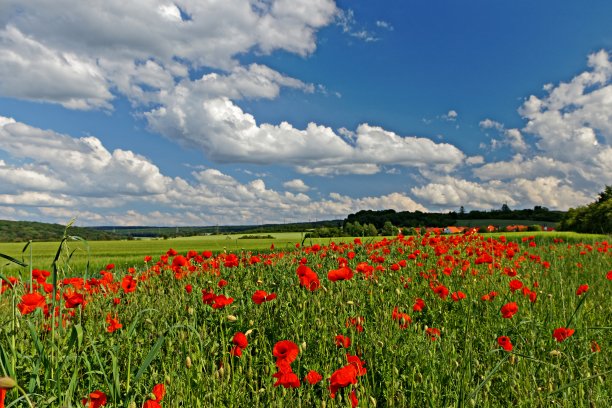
point(429, 319)
point(131, 253)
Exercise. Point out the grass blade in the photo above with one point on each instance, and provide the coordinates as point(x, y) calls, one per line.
point(152, 354)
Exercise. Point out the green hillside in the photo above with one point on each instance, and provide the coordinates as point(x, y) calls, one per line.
point(23, 231)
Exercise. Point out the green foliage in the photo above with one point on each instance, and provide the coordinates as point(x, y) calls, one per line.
point(593, 218)
point(23, 231)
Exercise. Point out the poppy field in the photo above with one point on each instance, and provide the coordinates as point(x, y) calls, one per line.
point(428, 320)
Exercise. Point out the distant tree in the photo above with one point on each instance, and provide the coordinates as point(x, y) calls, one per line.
point(370, 230)
point(389, 229)
point(505, 208)
point(594, 218)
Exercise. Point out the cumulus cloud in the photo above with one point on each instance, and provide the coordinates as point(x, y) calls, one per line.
point(296, 185)
point(60, 177)
point(225, 133)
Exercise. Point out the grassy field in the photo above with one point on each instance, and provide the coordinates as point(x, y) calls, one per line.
point(131, 253)
point(449, 321)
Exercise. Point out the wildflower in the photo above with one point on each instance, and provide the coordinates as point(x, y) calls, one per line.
point(595, 348)
point(433, 333)
point(110, 267)
point(188, 288)
point(313, 377)
point(286, 351)
point(419, 305)
point(457, 296)
point(609, 275)
point(96, 399)
point(240, 343)
point(30, 302)
point(441, 291)
point(353, 398)
point(287, 379)
point(73, 299)
point(505, 343)
point(582, 289)
point(515, 285)
point(508, 310)
point(342, 341)
point(261, 296)
point(128, 283)
point(159, 391)
point(222, 283)
point(344, 273)
point(113, 323)
point(562, 333)
point(308, 278)
point(221, 301)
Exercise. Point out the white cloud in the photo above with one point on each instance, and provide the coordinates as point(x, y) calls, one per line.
point(31, 70)
point(296, 185)
point(64, 177)
point(225, 133)
point(451, 115)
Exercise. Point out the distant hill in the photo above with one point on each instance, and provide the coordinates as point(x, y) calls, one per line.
point(23, 231)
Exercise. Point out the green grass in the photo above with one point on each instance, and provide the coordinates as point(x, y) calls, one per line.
point(163, 326)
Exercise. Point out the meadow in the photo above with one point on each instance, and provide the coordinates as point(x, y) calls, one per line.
point(439, 321)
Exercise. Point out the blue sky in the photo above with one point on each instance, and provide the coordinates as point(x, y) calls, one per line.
point(248, 112)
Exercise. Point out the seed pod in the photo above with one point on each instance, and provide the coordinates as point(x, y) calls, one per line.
point(7, 383)
point(188, 362)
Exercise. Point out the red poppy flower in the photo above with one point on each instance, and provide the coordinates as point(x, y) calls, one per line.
point(188, 288)
point(341, 378)
point(286, 351)
point(562, 333)
point(73, 299)
point(609, 275)
point(313, 377)
point(222, 283)
point(287, 379)
point(113, 323)
point(344, 273)
point(582, 289)
point(342, 341)
point(240, 340)
point(30, 302)
point(419, 305)
point(110, 267)
point(515, 285)
point(261, 296)
point(159, 391)
point(441, 291)
point(208, 296)
point(509, 309)
point(353, 398)
point(128, 283)
point(96, 399)
point(457, 296)
point(148, 258)
point(505, 343)
point(308, 278)
point(221, 301)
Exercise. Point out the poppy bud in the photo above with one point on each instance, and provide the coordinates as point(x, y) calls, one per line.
point(231, 318)
point(132, 404)
point(167, 380)
point(303, 345)
point(190, 311)
point(188, 362)
point(555, 353)
point(246, 333)
point(350, 302)
point(373, 401)
point(7, 383)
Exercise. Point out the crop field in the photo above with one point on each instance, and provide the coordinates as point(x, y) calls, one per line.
point(439, 321)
